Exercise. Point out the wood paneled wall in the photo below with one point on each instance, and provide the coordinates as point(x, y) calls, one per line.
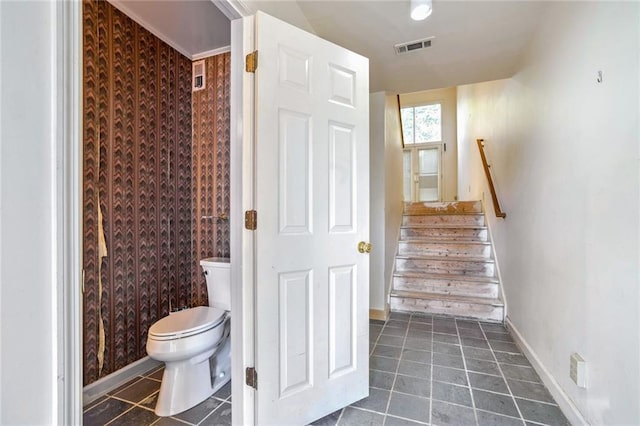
point(137, 170)
point(210, 169)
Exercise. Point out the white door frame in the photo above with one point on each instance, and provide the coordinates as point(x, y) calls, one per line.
point(68, 211)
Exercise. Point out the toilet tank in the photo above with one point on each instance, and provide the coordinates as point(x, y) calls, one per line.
point(217, 272)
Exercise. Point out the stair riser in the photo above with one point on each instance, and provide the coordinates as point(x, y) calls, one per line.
point(447, 266)
point(460, 309)
point(455, 207)
point(447, 287)
point(470, 219)
point(447, 249)
point(449, 234)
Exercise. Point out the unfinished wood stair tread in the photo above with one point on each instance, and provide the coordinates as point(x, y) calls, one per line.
point(451, 277)
point(414, 240)
point(446, 298)
point(442, 226)
point(446, 258)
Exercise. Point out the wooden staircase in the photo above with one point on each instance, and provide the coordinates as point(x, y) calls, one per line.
point(444, 263)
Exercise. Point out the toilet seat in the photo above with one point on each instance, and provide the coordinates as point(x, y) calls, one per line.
point(187, 323)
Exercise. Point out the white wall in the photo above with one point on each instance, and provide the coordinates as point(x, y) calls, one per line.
point(449, 133)
point(385, 153)
point(377, 194)
point(565, 152)
point(27, 198)
point(393, 203)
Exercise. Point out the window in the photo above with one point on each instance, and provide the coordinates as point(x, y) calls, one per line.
point(422, 124)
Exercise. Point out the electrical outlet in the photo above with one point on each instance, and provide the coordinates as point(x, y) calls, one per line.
point(578, 370)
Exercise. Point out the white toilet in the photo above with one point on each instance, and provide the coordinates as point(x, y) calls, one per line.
point(195, 345)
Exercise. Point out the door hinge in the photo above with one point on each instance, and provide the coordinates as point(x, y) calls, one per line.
point(251, 61)
point(251, 220)
point(252, 377)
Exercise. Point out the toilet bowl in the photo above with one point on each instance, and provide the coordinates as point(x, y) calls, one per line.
point(195, 346)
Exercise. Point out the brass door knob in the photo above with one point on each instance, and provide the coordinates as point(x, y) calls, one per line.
point(364, 247)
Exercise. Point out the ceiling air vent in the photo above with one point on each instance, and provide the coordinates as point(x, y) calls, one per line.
point(413, 46)
point(199, 82)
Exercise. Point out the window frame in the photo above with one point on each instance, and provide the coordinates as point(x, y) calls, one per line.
point(418, 105)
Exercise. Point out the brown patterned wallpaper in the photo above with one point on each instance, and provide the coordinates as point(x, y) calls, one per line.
point(210, 170)
point(149, 180)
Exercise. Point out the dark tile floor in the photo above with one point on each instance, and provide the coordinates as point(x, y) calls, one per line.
point(133, 404)
point(423, 370)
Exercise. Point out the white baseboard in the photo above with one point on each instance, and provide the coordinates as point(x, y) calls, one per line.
point(100, 387)
point(565, 403)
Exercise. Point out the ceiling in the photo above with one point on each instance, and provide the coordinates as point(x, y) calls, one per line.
point(474, 40)
point(195, 28)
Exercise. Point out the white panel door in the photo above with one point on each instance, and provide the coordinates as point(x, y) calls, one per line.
point(312, 198)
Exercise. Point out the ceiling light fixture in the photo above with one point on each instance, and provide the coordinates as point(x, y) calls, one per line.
point(421, 9)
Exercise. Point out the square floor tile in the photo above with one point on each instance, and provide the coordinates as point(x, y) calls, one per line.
point(427, 319)
point(454, 415)
point(497, 345)
point(376, 401)
point(196, 414)
point(139, 390)
point(383, 364)
point(387, 351)
point(156, 374)
point(409, 406)
point(169, 421)
point(445, 348)
point(418, 334)
point(396, 421)
point(220, 417)
point(445, 329)
point(354, 417)
point(391, 340)
point(471, 332)
point(515, 359)
point(477, 353)
point(412, 385)
point(150, 401)
point(486, 382)
point(135, 416)
point(501, 337)
point(105, 411)
point(474, 343)
point(416, 355)
point(519, 373)
point(329, 419)
point(400, 316)
point(398, 323)
point(394, 331)
point(421, 344)
point(224, 392)
point(491, 419)
point(414, 369)
point(378, 379)
point(494, 328)
point(449, 375)
point(496, 403)
point(486, 367)
point(541, 413)
point(448, 360)
point(420, 326)
point(467, 324)
point(446, 338)
point(529, 390)
point(451, 393)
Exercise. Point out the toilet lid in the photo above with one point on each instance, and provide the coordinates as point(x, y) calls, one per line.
point(188, 322)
